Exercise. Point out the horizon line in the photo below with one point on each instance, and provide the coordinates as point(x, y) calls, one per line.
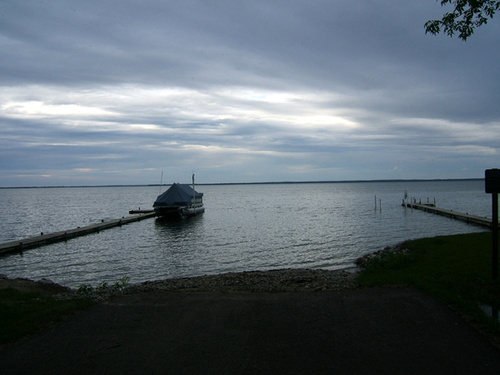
point(248, 183)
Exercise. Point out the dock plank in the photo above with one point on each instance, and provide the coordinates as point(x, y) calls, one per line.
point(471, 219)
point(45, 239)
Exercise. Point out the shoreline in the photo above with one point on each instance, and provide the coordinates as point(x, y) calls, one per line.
point(271, 281)
point(268, 281)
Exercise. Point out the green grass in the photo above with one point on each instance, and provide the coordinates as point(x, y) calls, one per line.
point(456, 269)
point(23, 313)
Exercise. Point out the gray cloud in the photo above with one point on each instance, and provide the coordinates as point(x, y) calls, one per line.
point(114, 92)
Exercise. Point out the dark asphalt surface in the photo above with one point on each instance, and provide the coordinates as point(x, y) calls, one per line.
point(352, 331)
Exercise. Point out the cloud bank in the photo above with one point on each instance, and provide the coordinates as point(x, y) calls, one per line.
point(116, 92)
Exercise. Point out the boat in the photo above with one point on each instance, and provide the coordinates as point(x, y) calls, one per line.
point(180, 200)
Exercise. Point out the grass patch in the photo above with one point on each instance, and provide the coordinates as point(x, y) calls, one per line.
point(25, 313)
point(455, 269)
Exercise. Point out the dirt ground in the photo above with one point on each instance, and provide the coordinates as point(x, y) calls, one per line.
point(350, 331)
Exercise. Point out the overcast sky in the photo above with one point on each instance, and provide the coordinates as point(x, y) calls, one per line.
point(115, 92)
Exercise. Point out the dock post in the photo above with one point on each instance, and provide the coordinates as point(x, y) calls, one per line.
point(492, 186)
point(494, 233)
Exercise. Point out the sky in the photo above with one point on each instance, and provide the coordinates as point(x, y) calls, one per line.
point(102, 92)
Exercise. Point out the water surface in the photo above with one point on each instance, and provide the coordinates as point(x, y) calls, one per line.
point(245, 227)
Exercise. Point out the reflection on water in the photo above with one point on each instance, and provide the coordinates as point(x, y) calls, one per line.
point(174, 225)
point(174, 232)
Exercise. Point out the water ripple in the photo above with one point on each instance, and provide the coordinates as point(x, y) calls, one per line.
point(245, 227)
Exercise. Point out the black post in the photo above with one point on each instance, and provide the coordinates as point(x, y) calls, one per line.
point(492, 186)
point(494, 234)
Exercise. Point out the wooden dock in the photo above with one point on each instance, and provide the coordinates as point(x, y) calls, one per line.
point(139, 211)
point(45, 239)
point(471, 219)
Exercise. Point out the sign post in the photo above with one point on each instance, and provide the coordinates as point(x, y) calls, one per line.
point(492, 186)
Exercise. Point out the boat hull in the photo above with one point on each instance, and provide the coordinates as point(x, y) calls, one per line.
point(191, 211)
point(179, 211)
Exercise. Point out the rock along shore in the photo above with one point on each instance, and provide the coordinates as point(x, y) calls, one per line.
point(282, 280)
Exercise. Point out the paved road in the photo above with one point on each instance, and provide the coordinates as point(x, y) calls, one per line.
point(352, 331)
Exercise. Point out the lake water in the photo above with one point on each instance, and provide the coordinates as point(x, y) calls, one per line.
point(245, 227)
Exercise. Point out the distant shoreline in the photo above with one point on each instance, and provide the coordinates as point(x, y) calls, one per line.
point(247, 183)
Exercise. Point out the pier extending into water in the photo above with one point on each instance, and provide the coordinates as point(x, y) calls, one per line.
point(45, 239)
point(431, 207)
